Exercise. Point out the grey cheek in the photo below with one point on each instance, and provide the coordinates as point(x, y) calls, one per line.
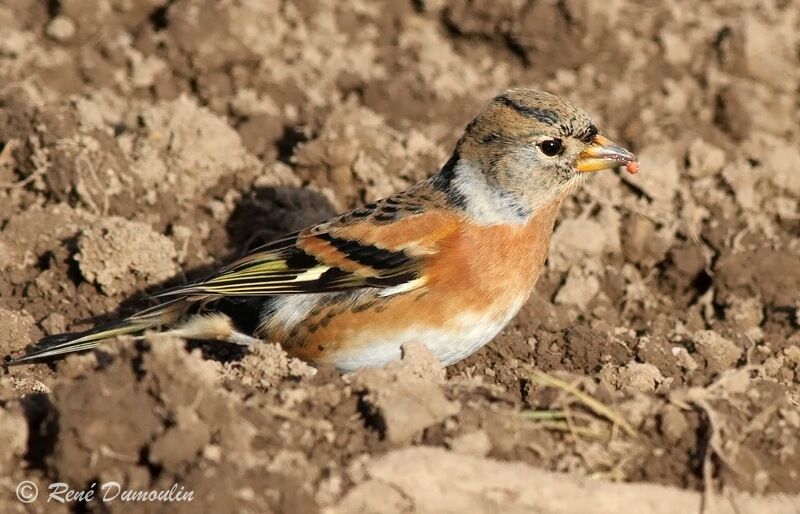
point(531, 160)
point(528, 155)
point(549, 170)
point(517, 166)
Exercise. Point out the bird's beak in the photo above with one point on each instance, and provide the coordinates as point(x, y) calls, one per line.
point(602, 154)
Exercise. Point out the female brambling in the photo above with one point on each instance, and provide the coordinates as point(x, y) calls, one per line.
point(447, 263)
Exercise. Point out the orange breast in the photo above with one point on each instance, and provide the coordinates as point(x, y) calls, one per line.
point(476, 268)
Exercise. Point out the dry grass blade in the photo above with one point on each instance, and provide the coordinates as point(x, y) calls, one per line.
point(559, 414)
point(543, 415)
point(591, 403)
point(563, 426)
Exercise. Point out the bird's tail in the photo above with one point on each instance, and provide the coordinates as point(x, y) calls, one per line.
point(161, 315)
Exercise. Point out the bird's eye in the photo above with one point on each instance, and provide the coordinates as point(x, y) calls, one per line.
point(551, 147)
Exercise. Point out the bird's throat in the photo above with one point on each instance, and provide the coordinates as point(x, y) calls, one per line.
point(466, 187)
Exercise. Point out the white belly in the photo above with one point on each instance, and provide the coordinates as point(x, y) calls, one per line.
point(464, 336)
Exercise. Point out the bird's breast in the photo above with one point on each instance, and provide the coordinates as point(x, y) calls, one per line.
point(474, 284)
point(494, 263)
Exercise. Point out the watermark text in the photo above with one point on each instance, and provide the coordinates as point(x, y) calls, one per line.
point(105, 492)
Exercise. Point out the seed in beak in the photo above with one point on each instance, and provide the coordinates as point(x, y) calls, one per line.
point(632, 167)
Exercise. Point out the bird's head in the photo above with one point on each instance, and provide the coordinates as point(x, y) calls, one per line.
point(532, 147)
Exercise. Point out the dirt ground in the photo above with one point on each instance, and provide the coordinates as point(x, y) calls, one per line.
point(142, 143)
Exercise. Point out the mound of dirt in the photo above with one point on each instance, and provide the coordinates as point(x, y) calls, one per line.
point(143, 143)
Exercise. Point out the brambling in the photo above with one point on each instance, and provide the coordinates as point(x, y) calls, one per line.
point(447, 263)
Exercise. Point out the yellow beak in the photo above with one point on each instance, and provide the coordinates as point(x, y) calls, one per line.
point(603, 154)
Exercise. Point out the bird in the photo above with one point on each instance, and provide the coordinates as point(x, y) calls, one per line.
point(447, 263)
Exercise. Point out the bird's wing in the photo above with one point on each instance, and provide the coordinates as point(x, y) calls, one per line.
point(363, 248)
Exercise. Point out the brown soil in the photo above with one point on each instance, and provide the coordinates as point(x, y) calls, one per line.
point(138, 139)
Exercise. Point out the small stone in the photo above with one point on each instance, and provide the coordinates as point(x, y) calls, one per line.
point(212, 452)
point(761, 481)
point(472, 443)
point(683, 359)
point(578, 290)
point(705, 159)
point(640, 377)
point(782, 163)
point(60, 29)
point(677, 50)
point(792, 353)
point(54, 323)
point(773, 366)
point(720, 353)
point(745, 313)
point(742, 178)
point(673, 423)
point(791, 417)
